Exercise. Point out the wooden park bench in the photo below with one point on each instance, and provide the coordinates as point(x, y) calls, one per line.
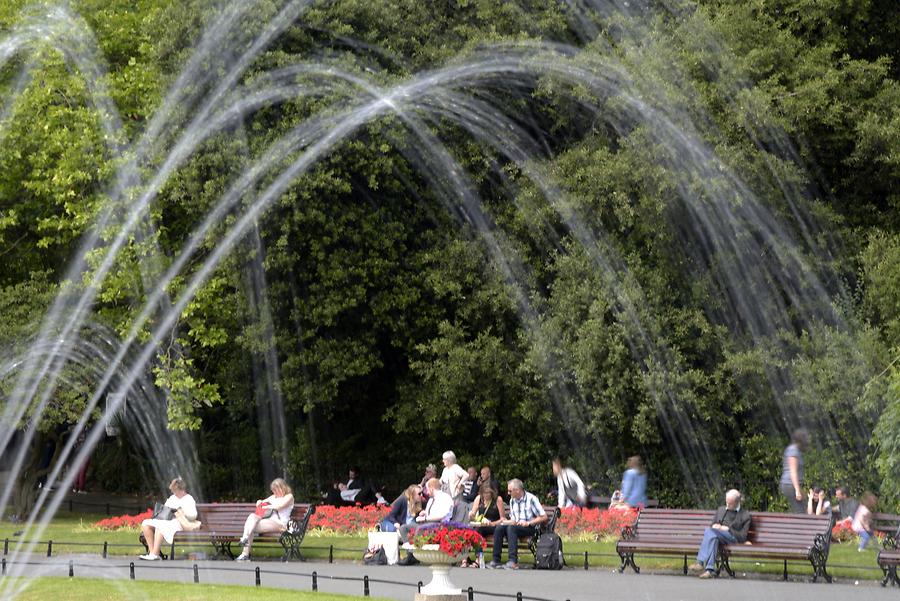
point(529, 543)
point(223, 524)
point(887, 525)
point(889, 558)
point(679, 532)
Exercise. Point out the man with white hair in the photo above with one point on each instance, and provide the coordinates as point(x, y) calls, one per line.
point(453, 480)
point(525, 515)
point(731, 525)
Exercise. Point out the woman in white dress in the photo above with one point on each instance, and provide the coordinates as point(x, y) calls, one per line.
point(156, 530)
point(272, 515)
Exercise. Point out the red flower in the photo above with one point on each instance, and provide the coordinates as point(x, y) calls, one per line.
point(124, 521)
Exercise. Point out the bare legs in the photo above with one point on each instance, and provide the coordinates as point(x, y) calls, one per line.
point(153, 537)
point(256, 524)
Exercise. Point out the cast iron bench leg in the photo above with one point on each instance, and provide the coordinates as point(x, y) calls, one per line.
point(628, 560)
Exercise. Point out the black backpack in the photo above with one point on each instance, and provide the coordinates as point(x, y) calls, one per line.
point(549, 552)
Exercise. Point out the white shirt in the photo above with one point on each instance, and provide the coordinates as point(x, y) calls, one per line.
point(281, 514)
point(452, 479)
point(568, 476)
point(439, 508)
point(187, 504)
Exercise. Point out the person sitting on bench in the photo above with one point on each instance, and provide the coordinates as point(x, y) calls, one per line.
point(438, 509)
point(731, 525)
point(271, 516)
point(158, 529)
point(525, 512)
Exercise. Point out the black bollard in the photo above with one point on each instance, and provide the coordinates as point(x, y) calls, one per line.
point(585, 560)
point(315, 581)
point(519, 596)
point(6, 546)
point(471, 592)
point(196, 575)
point(49, 547)
point(330, 553)
point(365, 586)
point(258, 582)
point(419, 586)
point(4, 566)
point(105, 549)
point(131, 570)
point(71, 569)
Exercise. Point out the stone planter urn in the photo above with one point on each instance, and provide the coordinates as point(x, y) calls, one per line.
point(440, 564)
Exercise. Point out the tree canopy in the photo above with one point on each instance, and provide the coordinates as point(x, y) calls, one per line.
point(384, 324)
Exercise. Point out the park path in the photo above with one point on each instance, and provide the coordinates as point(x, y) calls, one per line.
point(396, 582)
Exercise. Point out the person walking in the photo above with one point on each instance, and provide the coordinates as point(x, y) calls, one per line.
point(791, 483)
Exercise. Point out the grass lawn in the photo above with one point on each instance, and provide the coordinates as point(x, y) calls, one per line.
point(844, 561)
point(89, 589)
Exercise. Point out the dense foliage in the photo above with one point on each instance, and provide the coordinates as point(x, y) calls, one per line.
point(396, 333)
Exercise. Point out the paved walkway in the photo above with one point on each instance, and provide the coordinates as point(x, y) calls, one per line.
point(399, 583)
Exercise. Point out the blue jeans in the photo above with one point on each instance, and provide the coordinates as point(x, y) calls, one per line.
point(709, 548)
point(864, 537)
point(388, 526)
point(511, 533)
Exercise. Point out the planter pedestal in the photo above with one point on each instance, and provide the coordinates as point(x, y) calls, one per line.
point(440, 588)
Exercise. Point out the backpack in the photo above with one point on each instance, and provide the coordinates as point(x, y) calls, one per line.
point(375, 556)
point(549, 552)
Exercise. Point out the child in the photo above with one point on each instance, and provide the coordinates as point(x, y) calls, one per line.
point(862, 521)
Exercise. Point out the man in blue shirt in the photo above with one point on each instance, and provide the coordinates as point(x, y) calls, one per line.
point(525, 515)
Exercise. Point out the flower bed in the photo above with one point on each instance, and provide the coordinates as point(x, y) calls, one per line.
point(584, 525)
point(452, 538)
point(125, 521)
point(346, 520)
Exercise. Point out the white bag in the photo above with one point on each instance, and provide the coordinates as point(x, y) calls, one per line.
point(390, 542)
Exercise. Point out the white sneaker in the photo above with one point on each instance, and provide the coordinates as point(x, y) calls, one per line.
point(149, 557)
point(242, 557)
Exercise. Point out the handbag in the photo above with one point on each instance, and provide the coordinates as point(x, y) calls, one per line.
point(264, 511)
point(162, 512)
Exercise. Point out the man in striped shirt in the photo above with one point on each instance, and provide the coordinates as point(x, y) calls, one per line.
point(525, 514)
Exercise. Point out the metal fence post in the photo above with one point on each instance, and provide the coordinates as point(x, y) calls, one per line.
point(365, 586)
point(4, 566)
point(330, 553)
point(519, 596)
point(6, 546)
point(419, 585)
point(585, 560)
point(196, 575)
point(258, 583)
point(105, 548)
point(71, 569)
point(131, 570)
point(49, 547)
point(315, 576)
point(471, 592)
